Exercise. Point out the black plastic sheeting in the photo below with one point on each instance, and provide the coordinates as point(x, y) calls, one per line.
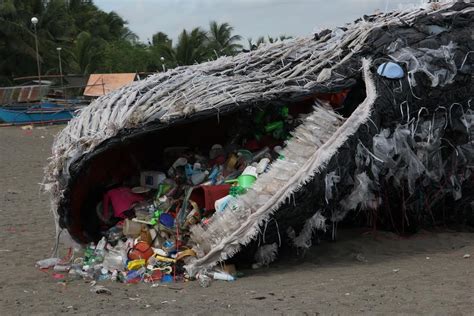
point(395, 205)
point(393, 194)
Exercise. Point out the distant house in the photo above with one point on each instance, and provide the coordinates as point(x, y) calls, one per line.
point(101, 84)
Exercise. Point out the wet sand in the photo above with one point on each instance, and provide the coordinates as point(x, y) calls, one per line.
point(358, 274)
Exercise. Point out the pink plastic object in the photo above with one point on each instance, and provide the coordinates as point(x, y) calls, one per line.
point(58, 276)
point(122, 200)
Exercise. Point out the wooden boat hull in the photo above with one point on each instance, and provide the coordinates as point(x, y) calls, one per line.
point(28, 115)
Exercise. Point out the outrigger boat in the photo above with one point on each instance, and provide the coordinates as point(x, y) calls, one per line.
point(29, 104)
point(43, 113)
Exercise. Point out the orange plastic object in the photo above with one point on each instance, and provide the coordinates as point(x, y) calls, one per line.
point(141, 250)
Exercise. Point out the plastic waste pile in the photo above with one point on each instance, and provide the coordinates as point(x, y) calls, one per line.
point(145, 227)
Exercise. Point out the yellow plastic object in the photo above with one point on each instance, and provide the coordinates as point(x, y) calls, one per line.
point(164, 259)
point(136, 264)
point(185, 253)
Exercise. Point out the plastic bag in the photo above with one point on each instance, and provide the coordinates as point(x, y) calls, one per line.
point(431, 62)
point(331, 180)
point(362, 194)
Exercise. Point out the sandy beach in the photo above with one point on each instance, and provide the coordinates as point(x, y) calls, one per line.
point(359, 274)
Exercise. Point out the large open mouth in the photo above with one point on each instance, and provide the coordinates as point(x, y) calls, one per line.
point(317, 132)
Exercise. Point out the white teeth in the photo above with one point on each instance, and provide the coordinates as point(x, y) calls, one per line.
point(262, 198)
point(246, 200)
point(308, 137)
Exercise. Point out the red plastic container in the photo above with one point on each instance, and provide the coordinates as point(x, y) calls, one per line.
point(206, 195)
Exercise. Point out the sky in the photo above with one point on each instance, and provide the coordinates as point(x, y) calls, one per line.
point(250, 18)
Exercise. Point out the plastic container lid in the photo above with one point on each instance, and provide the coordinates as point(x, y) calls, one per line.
point(391, 70)
point(167, 278)
point(167, 220)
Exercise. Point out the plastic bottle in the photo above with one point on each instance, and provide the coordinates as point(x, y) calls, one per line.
point(180, 162)
point(87, 272)
point(89, 254)
point(75, 274)
point(99, 250)
point(188, 170)
point(104, 274)
point(222, 276)
point(260, 154)
point(47, 263)
point(262, 165)
point(61, 268)
point(114, 275)
point(221, 204)
point(168, 246)
point(101, 245)
point(199, 176)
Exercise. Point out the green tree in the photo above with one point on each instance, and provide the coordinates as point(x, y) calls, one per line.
point(93, 40)
point(17, 46)
point(191, 47)
point(125, 56)
point(86, 54)
point(161, 38)
point(221, 39)
point(77, 26)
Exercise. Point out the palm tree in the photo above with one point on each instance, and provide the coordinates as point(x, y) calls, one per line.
point(161, 38)
point(17, 48)
point(86, 53)
point(117, 29)
point(221, 39)
point(191, 47)
point(162, 53)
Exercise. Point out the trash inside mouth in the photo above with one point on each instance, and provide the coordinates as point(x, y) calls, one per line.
point(197, 154)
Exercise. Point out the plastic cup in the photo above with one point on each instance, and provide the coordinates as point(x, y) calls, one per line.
point(131, 228)
point(246, 180)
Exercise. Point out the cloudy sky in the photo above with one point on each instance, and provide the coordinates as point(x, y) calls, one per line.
point(250, 18)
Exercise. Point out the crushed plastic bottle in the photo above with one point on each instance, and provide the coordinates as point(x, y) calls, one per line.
point(61, 268)
point(104, 274)
point(114, 275)
point(47, 263)
point(222, 276)
point(113, 260)
point(99, 251)
point(101, 245)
